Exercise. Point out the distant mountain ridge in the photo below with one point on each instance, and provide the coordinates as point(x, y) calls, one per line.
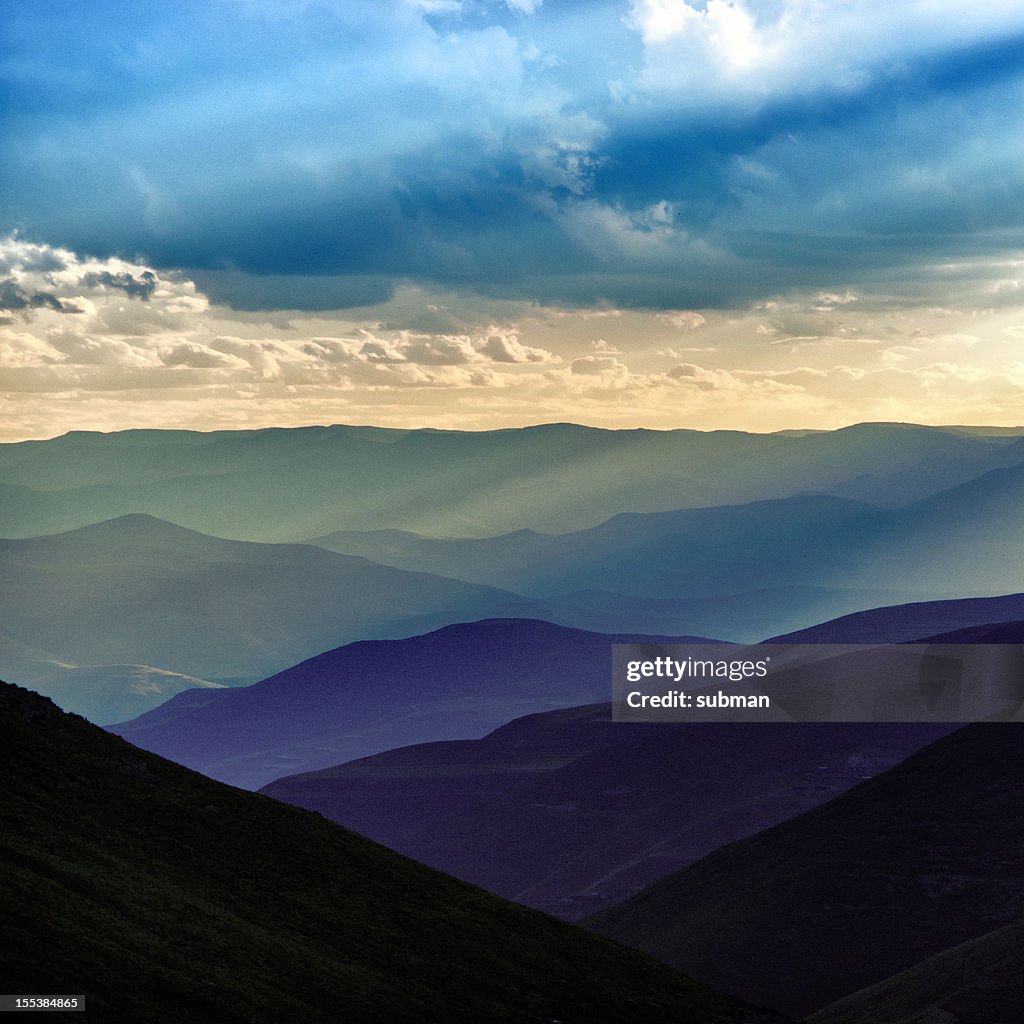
point(103, 693)
point(963, 542)
point(460, 681)
point(973, 619)
point(552, 477)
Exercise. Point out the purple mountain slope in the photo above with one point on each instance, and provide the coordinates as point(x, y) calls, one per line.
point(909, 622)
point(583, 811)
point(460, 681)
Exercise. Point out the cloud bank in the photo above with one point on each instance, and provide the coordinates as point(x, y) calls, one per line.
point(101, 343)
point(654, 154)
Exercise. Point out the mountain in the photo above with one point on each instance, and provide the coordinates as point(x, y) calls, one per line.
point(686, 552)
point(585, 811)
point(743, 571)
point(963, 542)
point(909, 623)
point(460, 681)
point(742, 617)
point(981, 981)
point(164, 896)
point(137, 590)
point(285, 485)
point(102, 693)
point(919, 859)
point(987, 633)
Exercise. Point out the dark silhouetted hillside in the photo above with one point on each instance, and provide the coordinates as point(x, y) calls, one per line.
point(900, 868)
point(164, 896)
point(980, 981)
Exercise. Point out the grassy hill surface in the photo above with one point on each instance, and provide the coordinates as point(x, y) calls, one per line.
point(164, 896)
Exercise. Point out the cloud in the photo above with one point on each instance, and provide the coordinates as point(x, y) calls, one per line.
point(136, 288)
point(319, 156)
point(684, 319)
point(165, 354)
point(503, 347)
point(14, 299)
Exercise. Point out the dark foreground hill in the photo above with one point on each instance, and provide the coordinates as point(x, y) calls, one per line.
point(910, 863)
point(568, 811)
point(164, 896)
point(458, 682)
point(980, 982)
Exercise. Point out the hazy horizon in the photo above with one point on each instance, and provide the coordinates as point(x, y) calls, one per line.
point(986, 429)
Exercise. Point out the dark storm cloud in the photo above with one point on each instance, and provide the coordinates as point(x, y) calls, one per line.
point(15, 299)
point(315, 155)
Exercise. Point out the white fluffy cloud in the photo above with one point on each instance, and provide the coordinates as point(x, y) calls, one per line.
point(766, 48)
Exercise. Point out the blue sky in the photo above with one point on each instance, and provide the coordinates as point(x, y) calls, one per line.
point(731, 213)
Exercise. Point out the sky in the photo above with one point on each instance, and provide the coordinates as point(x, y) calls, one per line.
point(474, 214)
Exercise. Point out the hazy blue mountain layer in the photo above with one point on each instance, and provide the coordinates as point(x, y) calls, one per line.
point(287, 485)
point(137, 590)
point(979, 618)
point(164, 896)
point(102, 693)
point(963, 542)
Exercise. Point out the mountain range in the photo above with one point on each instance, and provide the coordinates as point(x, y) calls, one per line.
point(460, 681)
point(164, 896)
point(103, 693)
point(138, 590)
point(961, 542)
point(291, 484)
point(175, 602)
